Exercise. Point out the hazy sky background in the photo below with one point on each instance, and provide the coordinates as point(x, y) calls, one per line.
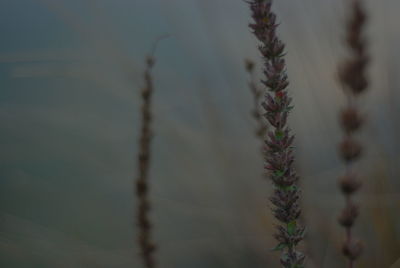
point(70, 74)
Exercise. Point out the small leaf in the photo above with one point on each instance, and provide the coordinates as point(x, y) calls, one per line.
point(288, 188)
point(279, 247)
point(303, 232)
point(291, 227)
point(289, 108)
point(279, 135)
point(279, 173)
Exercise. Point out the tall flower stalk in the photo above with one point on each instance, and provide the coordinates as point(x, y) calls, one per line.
point(146, 245)
point(279, 150)
point(352, 76)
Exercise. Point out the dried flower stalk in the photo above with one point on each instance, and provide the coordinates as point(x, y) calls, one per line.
point(279, 150)
point(352, 75)
point(147, 247)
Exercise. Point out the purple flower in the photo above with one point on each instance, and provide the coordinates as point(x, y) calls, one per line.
point(279, 140)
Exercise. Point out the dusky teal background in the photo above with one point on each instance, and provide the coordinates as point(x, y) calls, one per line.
point(70, 74)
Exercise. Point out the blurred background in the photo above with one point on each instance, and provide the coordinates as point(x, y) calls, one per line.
point(70, 75)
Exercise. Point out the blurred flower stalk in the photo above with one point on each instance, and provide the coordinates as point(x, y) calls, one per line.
point(147, 247)
point(353, 78)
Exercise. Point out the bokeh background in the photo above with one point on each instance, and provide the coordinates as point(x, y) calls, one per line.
point(70, 75)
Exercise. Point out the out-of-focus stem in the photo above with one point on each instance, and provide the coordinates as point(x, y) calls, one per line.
point(352, 76)
point(257, 93)
point(146, 245)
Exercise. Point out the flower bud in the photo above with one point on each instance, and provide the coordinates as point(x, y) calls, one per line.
point(352, 249)
point(249, 65)
point(350, 149)
point(350, 119)
point(348, 215)
point(349, 183)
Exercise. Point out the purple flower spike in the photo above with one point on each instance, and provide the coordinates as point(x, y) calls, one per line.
point(279, 140)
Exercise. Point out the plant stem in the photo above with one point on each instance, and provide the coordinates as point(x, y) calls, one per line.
point(147, 247)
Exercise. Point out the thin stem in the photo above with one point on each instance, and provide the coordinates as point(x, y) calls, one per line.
point(146, 245)
point(257, 93)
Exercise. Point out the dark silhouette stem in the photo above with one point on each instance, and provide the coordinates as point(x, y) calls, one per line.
point(147, 247)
